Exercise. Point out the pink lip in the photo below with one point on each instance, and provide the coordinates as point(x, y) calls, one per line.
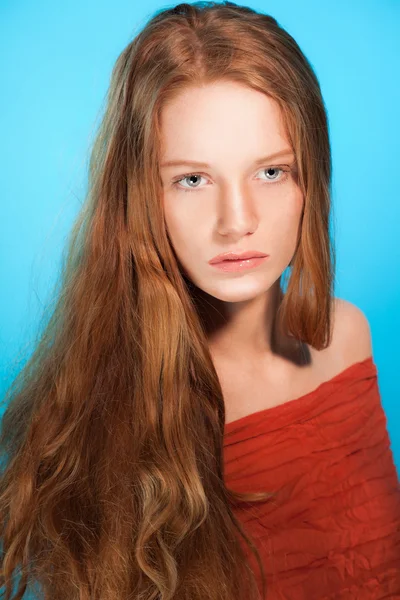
point(227, 256)
point(239, 265)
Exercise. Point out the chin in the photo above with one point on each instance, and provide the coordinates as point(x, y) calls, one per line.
point(235, 291)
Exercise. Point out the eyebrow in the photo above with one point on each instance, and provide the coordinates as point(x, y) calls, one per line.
point(180, 162)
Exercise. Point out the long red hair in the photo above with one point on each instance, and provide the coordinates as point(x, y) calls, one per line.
point(112, 483)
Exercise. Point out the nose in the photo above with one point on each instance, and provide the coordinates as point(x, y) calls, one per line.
point(237, 213)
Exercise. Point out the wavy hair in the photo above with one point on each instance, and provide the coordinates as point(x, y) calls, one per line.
point(112, 483)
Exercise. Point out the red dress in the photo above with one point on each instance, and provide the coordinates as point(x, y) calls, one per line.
point(333, 529)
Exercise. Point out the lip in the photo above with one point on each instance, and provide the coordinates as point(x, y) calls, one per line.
point(230, 266)
point(233, 256)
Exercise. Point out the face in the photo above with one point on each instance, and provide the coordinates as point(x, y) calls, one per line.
point(239, 199)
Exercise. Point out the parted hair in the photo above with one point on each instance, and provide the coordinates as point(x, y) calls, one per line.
point(112, 482)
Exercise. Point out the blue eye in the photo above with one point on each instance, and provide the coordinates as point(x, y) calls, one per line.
point(272, 169)
point(189, 176)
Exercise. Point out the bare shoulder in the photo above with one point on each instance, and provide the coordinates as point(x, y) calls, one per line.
point(351, 333)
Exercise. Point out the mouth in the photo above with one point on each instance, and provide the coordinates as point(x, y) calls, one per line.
point(232, 256)
point(240, 264)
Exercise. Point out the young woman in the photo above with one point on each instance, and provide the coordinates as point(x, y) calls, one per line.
point(192, 424)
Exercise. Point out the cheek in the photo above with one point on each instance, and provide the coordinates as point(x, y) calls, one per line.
point(180, 226)
point(284, 225)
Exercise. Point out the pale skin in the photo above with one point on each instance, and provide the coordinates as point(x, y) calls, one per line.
point(242, 200)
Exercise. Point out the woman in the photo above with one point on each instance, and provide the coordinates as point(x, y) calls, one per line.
point(127, 436)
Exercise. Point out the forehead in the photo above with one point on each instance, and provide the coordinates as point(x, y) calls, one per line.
point(224, 117)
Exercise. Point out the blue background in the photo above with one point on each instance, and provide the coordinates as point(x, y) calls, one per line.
point(56, 61)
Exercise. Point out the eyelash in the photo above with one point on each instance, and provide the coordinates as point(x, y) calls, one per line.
point(176, 182)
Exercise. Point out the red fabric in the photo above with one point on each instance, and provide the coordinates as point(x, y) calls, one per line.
point(333, 530)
